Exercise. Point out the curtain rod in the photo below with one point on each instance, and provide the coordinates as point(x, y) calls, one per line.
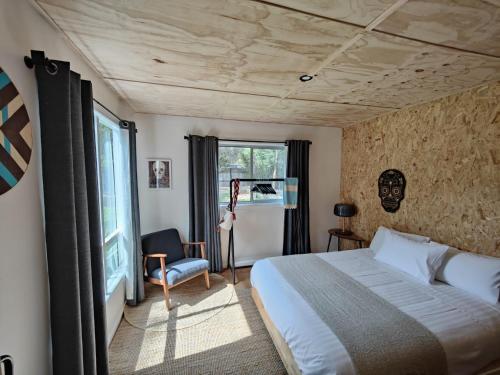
point(123, 124)
point(248, 140)
point(108, 110)
point(39, 58)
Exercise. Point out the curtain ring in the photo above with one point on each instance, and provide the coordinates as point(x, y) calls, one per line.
point(125, 124)
point(51, 67)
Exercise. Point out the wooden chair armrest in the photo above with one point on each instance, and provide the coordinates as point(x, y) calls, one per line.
point(201, 244)
point(155, 255)
point(146, 256)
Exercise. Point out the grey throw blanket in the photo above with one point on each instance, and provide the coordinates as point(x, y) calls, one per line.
point(380, 338)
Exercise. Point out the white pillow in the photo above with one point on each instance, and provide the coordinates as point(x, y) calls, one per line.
point(420, 260)
point(378, 239)
point(476, 274)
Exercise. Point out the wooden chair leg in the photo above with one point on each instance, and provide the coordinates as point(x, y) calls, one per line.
point(207, 280)
point(167, 296)
point(164, 282)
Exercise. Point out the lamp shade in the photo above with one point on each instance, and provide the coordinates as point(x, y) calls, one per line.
point(344, 210)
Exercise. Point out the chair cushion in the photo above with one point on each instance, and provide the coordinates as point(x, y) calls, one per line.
point(182, 270)
point(165, 241)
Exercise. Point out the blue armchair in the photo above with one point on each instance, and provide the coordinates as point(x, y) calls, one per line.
point(166, 262)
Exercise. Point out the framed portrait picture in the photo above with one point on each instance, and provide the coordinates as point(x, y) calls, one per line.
point(160, 173)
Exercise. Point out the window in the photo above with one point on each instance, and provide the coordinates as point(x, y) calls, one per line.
point(109, 163)
point(251, 160)
point(107, 178)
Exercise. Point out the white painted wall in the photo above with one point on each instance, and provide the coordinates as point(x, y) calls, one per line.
point(24, 317)
point(259, 229)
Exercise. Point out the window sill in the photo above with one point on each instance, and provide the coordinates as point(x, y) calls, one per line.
point(243, 205)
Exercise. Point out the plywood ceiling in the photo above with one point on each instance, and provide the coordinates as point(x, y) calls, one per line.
point(241, 59)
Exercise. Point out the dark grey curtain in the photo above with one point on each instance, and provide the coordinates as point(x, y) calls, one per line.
point(137, 276)
point(297, 232)
point(203, 197)
point(72, 229)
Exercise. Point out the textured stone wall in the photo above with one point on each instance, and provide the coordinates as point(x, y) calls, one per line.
point(449, 152)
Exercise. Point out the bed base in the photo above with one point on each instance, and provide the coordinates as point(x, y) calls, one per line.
point(286, 354)
point(280, 343)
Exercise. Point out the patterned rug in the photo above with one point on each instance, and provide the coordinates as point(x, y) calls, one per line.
point(218, 331)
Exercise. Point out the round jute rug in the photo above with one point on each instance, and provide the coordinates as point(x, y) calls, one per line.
point(191, 304)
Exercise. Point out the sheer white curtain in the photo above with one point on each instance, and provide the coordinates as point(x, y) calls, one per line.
point(129, 216)
point(116, 202)
point(119, 209)
point(124, 212)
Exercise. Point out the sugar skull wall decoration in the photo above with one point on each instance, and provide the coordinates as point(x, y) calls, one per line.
point(391, 189)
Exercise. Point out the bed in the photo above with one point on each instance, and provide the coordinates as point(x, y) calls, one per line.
point(467, 329)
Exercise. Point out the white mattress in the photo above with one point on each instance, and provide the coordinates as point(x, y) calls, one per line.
point(468, 329)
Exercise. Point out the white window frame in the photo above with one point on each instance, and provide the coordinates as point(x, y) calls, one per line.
point(253, 146)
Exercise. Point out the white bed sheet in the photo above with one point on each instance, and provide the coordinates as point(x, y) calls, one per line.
point(467, 327)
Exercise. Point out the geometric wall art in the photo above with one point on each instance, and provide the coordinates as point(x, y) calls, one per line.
point(15, 135)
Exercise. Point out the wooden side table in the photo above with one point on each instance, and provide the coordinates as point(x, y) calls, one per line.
point(337, 232)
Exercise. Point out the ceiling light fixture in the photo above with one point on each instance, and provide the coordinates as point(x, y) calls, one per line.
point(305, 77)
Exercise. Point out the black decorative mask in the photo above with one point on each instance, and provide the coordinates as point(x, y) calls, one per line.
point(391, 189)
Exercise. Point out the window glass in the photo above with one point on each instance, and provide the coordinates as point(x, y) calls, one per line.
point(234, 162)
point(107, 179)
point(269, 163)
point(251, 161)
point(112, 261)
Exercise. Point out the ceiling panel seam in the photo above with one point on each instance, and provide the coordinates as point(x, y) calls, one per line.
point(345, 46)
point(258, 121)
point(246, 93)
point(374, 27)
point(451, 48)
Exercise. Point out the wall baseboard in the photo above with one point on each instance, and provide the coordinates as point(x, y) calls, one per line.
point(246, 262)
